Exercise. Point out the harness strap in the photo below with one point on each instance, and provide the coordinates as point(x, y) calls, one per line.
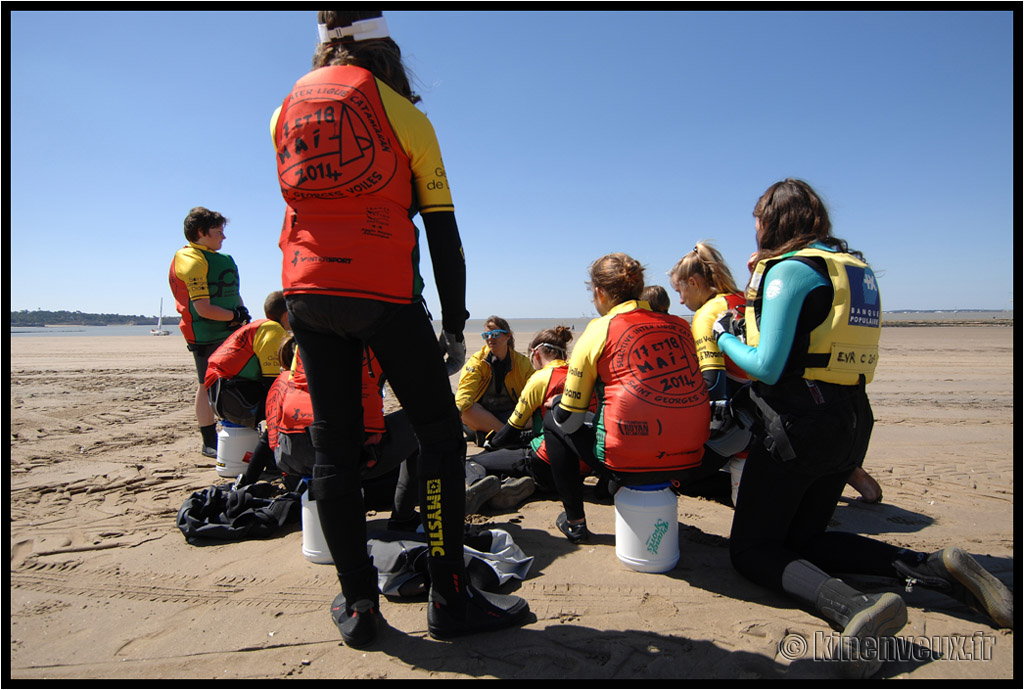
point(777, 441)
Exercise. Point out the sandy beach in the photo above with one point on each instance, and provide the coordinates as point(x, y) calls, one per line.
point(104, 451)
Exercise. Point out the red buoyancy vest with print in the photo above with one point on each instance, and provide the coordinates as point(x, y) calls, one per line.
point(275, 398)
point(653, 411)
point(233, 354)
point(348, 186)
point(556, 384)
point(296, 409)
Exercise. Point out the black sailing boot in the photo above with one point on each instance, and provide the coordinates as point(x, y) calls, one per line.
point(455, 606)
point(458, 608)
point(954, 572)
point(861, 617)
point(356, 611)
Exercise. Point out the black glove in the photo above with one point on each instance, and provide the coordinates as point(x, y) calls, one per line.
point(454, 346)
point(730, 322)
point(240, 318)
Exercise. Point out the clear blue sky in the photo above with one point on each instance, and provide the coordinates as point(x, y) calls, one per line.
point(566, 135)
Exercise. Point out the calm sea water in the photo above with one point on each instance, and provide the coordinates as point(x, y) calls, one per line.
point(475, 326)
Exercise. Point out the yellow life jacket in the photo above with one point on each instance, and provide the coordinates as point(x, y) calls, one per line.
point(844, 346)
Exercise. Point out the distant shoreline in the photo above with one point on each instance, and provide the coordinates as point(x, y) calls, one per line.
point(899, 319)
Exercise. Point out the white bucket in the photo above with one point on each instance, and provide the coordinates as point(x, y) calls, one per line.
point(736, 472)
point(235, 446)
point(647, 528)
point(314, 546)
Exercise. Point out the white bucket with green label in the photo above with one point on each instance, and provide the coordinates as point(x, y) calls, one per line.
point(647, 527)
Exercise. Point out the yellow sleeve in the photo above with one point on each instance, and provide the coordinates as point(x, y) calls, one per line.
point(418, 140)
point(273, 126)
point(531, 398)
point(709, 357)
point(582, 376)
point(192, 269)
point(473, 380)
point(265, 344)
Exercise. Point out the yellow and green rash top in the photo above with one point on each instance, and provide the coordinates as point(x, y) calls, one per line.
point(251, 353)
point(356, 161)
point(652, 402)
point(703, 325)
point(200, 273)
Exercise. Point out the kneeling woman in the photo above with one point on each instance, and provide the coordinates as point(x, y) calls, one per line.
point(810, 301)
point(652, 414)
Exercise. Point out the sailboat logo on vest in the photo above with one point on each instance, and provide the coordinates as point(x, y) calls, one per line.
point(336, 147)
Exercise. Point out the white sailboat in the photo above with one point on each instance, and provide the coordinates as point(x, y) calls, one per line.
point(159, 330)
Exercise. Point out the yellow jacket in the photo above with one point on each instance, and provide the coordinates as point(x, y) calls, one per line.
point(476, 376)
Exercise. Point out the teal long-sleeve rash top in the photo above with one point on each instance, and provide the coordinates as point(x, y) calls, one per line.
point(787, 285)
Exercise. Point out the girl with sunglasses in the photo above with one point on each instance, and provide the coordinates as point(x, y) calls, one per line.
point(491, 381)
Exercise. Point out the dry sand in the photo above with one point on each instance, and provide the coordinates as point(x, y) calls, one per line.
point(103, 585)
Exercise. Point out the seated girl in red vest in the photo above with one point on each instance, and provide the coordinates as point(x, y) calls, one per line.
point(389, 450)
point(652, 414)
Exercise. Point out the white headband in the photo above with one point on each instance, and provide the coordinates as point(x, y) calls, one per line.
point(359, 31)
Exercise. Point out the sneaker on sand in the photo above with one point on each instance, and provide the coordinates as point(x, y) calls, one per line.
point(480, 492)
point(209, 451)
point(513, 491)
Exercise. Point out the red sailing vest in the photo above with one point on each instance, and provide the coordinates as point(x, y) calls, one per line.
point(348, 186)
point(228, 360)
point(556, 384)
point(275, 398)
point(296, 411)
point(653, 411)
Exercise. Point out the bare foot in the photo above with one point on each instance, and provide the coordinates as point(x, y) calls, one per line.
point(870, 491)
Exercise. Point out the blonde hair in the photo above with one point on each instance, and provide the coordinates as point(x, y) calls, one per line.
point(706, 262)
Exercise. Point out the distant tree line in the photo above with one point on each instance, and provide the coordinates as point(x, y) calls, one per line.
point(42, 317)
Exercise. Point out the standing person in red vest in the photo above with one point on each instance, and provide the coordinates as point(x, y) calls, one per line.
point(356, 160)
point(652, 414)
point(204, 283)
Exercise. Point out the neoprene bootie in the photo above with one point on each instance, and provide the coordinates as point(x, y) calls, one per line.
point(356, 611)
point(954, 572)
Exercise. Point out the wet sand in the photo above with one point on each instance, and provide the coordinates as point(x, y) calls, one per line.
point(104, 451)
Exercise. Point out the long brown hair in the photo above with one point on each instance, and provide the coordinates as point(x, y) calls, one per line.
point(791, 215)
point(381, 56)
